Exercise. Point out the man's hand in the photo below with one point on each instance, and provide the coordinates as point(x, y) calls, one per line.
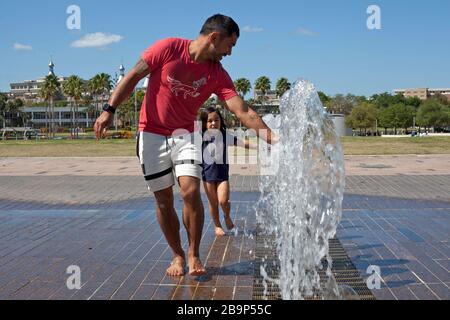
point(102, 124)
point(120, 94)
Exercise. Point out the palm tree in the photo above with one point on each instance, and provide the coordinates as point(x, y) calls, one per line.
point(73, 88)
point(105, 82)
point(263, 84)
point(48, 92)
point(21, 117)
point(282, 86)
point(243, 86)
point(99, 86)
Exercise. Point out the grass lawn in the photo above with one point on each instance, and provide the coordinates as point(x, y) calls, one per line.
point(387, 146)
point(123, 148)
point(68, 148)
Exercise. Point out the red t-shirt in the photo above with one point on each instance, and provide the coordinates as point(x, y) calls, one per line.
point(178, 87)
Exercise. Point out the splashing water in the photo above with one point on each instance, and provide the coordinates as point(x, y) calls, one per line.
point(301, 202)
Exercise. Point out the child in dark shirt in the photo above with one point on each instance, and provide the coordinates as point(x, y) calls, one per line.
point(216, 167)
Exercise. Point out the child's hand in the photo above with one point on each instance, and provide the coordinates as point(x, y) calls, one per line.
point(274, 139)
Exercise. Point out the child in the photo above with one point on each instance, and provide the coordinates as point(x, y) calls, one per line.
point(215, 165)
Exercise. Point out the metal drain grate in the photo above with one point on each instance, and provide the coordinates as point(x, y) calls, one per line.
point(343, 270)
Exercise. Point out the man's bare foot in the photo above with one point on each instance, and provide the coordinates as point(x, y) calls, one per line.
point(219, 232)
point(229, 223)
point(176, 268)
point(196, 267)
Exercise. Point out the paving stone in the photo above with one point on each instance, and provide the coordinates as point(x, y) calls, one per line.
point(48, 223)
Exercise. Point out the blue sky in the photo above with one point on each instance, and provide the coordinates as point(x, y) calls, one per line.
point(324, 41)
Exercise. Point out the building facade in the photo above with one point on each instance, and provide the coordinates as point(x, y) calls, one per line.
point(28, 90)
point(271, 97)
point(423, 93)
point(64, 117)
point(39, 117)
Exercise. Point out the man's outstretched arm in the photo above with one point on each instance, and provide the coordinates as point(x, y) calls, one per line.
point(120, 94)
point(250, 119)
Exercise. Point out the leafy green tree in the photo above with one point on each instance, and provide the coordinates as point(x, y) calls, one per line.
point(282, 86)
point(397, 116)
point(433, 114)
point(381, 101)
point(12, 113)
point(363, 116)
point(323, 97)
point(340, 104)
point(39, 104)
point(402, 117)
point(125, 113)
point(3, 99)
point(412, 114)
point(128, 111)
point(61, 104)
point(48, 92)
point(263, 85)
point(243, 86)
point(385, 116)
point(398, 99)
point(140, 94)
point(441, 99)
point(385, 100)
point(354, 99)
point(413, 101)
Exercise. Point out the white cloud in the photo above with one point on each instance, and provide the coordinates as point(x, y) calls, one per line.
point(252, 29)
point(18, 46)
point(96, 40)
point(305, 32)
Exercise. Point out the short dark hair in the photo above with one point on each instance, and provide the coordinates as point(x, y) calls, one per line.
point(220, 23)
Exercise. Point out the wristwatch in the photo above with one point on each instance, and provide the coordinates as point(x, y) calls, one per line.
point(108, 108)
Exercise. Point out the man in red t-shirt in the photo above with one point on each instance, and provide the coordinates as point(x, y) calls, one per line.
point(183, 75)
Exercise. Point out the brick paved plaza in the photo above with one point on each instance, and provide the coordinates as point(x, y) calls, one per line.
point(98, 215)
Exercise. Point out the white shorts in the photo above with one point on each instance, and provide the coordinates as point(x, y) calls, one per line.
point(164, 158)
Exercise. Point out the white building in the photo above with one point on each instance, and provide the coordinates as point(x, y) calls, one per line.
point(271, 97)
point(28, 90)
point(64, 117)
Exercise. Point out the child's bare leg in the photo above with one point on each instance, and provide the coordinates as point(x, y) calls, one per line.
point(211, 193)
point(223, 194)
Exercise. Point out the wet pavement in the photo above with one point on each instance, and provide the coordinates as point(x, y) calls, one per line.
point(106, 225)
